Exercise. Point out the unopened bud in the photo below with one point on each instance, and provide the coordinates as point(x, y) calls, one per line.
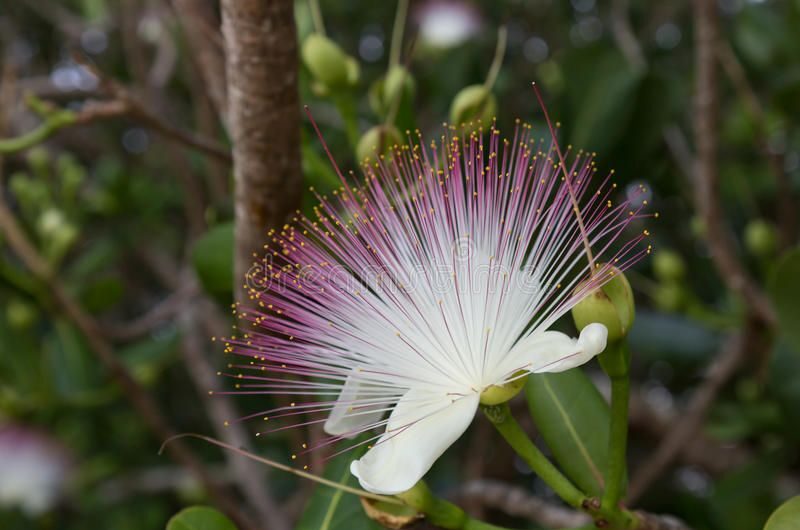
point(378, 139)
point(473, 103)
point(326, 61)
point(760, 238)
point(611, 305)
point(668, 265)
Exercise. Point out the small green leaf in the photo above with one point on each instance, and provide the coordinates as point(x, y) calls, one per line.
point(786, 517)
point(333, 509)
point(572, 418)
point(212, 257)
point(784, 289)
point(200, 518)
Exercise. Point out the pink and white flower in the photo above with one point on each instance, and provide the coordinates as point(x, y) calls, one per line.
point(435, 279)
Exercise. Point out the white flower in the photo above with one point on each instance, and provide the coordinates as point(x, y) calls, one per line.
point(411, 295)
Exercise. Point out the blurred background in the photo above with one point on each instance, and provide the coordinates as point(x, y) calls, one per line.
point(117, 243)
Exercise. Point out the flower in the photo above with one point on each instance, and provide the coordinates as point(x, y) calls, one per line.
point(435, 280)
point(35, 469)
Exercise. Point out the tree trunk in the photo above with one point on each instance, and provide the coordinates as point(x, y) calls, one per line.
point(264, 121)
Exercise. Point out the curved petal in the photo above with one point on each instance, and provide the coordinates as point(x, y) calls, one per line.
point(348, 417)
point(421, 427)
point(552, 351)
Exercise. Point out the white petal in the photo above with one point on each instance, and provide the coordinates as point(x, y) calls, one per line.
point(348, 416)
point(421, 427)
point(552, 351)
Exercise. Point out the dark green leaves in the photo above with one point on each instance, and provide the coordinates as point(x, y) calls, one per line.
point(784, 288)
point(572, 418)
point(786, 517)
point(200, 518)
point(212, 257)
point(332, 509)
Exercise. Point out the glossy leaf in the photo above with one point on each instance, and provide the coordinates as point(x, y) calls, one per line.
point(786, 517)
point(572, 418)
point(200, 518)
point(784, 290)
point(212, 257)
point(333, 509)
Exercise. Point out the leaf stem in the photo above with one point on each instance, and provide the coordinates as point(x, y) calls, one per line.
point(510, 430)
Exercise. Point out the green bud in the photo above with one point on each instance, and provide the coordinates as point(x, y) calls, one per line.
point(398, 82)
point(473, 103)
point(611, 305)
point(668, 265)
point(668, 297)
point(20, 314)
point(39, 161)
point(378, 139)
point(353, 71)
point(760, 238)
point(497, 394)
point(326, 61)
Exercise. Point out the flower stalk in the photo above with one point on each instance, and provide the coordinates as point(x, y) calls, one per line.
point(440, 512)
point(615, 362)
point(511, 431)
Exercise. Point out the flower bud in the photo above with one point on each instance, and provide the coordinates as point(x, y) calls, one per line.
point(20, 314)
point(668, 266)
point(668, 297)
point(397, 83)
point(378, 139)
point(473, 103)
point(326, 61)
point(611, 305)
point(760, 238)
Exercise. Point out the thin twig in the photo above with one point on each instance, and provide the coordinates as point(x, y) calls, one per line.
point(786, 208)
point(519, 502)
point(719, 373)
point(624, 36)
point(718, 238)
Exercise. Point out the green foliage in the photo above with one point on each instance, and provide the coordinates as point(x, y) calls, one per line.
point(786, 517)
point(332, 509)
point(200, 518)
point(572, 418)
point(784, 289)
point(212, 257)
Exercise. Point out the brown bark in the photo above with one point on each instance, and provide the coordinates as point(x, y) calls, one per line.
point(264, 121)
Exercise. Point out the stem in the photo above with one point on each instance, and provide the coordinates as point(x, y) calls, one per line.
point(507, 426)
point(397, 33)
point(50, 125)
point(316, 16)
point(497, 62)
point(617, 441)
point(441, 513)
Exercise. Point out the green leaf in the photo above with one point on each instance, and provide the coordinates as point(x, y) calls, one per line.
point(784, 289)
point(212, 257)
point(199, 518)
point(786, 517)
point(333, 509)
point(572, 418)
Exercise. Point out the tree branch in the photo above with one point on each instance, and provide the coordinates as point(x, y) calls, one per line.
point(719, 240)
